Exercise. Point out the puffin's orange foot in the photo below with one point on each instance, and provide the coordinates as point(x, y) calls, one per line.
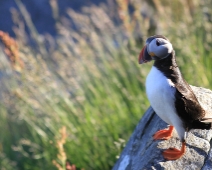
point(173, 154)
point(164, 134)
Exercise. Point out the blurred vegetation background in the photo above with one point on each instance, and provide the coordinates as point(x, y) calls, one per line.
point(72, 102)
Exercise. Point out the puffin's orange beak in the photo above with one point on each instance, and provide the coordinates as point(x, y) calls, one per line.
point(144, 57)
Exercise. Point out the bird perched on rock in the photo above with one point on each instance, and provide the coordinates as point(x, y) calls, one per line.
point(170, 95)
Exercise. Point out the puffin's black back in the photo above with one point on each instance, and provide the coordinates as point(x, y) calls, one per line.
point(186, 103)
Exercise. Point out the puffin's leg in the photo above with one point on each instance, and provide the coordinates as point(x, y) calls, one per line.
point(164, 134)
point(173, 153)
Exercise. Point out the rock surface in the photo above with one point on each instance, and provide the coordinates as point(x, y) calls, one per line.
point(143, 153)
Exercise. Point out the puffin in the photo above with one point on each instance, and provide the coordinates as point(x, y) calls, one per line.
point(170, 95)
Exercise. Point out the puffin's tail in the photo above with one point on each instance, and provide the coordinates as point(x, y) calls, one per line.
point(206, 120)
point(205, 123)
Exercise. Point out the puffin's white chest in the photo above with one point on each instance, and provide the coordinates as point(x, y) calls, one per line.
point(161, 94)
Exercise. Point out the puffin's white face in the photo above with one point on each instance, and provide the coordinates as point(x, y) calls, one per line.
point(157, 47)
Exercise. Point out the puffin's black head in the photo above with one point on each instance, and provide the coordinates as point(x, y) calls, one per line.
point(157, 47)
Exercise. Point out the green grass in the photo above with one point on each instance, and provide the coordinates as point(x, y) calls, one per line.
point(90, 86)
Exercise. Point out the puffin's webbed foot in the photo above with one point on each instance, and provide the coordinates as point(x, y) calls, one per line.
point(164, 134)
point(173, 153)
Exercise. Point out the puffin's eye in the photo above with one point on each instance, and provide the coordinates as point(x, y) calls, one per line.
point(157, 42)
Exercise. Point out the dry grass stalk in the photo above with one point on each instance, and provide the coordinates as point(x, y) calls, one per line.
point(124, 14)
point(62, 158)
point(11, 50)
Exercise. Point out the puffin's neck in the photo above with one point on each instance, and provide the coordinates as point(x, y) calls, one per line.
point(169, 68)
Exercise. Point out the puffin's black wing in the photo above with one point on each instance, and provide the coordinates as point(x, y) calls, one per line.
point(188, 107)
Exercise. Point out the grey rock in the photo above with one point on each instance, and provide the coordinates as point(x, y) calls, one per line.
point(143, 153)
